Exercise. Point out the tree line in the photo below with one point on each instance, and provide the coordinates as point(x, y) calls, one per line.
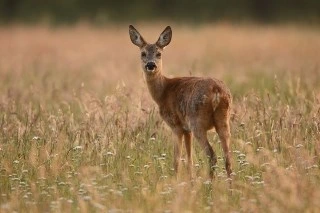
point(70, 11)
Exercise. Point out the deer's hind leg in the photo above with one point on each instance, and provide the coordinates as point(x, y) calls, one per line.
point(201, 136)
point(222, 126)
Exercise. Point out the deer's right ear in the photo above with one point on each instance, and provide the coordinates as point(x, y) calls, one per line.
point(135, 37)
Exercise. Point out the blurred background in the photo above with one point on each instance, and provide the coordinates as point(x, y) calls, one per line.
point(102, 11)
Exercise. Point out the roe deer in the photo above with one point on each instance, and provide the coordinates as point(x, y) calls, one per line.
point(189, 105)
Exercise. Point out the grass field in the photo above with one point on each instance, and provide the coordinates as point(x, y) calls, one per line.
point(79, 131)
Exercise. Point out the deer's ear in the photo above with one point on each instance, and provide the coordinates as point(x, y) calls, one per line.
point(165, 37)
point(136, 38)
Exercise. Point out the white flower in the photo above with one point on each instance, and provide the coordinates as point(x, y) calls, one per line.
point(77, 147)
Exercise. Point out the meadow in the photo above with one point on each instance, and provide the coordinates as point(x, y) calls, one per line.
point(79, 131)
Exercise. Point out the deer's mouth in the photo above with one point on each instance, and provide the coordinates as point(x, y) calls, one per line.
point(151, 67)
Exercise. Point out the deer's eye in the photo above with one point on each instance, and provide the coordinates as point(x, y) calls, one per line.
point(143, 54)
point(158, 55)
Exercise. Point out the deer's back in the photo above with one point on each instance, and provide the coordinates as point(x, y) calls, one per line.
point(189, 101)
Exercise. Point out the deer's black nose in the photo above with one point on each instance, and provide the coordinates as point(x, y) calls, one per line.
point(150, 66)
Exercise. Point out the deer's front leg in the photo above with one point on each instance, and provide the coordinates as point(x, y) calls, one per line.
point(187, 142)
point(177, 149)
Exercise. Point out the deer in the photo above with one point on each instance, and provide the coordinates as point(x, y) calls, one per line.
point(190, 106)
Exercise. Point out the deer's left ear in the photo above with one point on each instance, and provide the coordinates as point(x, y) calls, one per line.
point(165, 37)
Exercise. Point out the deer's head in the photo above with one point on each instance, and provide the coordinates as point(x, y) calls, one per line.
point(151, 54)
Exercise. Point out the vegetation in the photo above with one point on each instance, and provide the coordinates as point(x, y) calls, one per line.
point(98, 11)
point(79, 131)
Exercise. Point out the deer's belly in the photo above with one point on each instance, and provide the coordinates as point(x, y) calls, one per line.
point(175, 119)
point(189, 119)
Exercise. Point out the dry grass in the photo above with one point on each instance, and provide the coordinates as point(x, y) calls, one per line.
point(79, 131)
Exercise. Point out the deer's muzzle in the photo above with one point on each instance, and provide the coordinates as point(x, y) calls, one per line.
point(151, 66)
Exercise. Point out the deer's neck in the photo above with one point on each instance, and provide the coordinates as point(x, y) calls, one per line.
point(156, 85)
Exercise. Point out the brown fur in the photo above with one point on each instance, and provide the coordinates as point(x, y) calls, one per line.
point(189, 105)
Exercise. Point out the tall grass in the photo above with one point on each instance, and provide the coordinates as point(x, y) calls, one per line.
point(79, 131)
